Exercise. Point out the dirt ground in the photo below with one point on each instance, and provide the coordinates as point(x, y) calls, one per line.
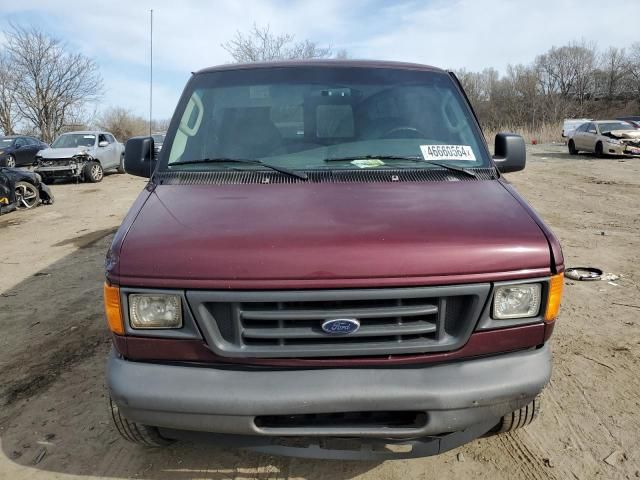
point(53, 344)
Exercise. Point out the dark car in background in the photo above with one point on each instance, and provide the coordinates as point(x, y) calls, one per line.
point(19, 150)
point(21, 188)
point(158, 140)
point(328, 249)
point(632, 119)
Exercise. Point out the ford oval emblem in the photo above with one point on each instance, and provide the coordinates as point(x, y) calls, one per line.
point(340, 326)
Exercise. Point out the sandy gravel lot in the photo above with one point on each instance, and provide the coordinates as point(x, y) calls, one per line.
point(53, 343)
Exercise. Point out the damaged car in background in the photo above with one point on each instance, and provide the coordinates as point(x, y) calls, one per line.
point(81, 156)
point(606, 137)
point(22, 189)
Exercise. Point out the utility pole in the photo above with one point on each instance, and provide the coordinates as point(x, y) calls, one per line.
point(151, 73)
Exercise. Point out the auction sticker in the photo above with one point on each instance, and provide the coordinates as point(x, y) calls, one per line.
point(369, 163)
point(448, 152)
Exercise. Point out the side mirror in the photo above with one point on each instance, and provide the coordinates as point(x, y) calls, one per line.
point(510, 153)
point(103, 143)
point(139, 159)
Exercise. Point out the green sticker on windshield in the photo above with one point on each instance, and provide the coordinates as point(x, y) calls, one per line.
point(371, 163)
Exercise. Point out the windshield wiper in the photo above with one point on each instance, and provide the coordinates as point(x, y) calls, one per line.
point(411, 158)
point(255, 161)
point(453, 168)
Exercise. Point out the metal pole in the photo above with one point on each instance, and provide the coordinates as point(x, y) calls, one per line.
point(151, 74)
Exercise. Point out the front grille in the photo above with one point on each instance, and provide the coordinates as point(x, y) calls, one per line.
point(289, 323)
point(55, 162)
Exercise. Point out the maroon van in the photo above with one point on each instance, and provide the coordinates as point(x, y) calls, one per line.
point(327, 262)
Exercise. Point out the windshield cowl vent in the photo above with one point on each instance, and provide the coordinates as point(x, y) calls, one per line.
point(266, 177)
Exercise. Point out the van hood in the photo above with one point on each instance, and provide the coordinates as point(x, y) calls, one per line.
point(329, 235)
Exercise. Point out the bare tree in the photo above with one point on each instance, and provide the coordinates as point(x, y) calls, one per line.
point(262, 45)
point(614, 68)
point(634, 71)
point(122, 123)
point(8, 107)
point(55, 84)
point(584, 61)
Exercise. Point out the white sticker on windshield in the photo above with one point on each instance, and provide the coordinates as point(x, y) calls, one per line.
point(89, 136)
point(367, 163)
point(448, 152)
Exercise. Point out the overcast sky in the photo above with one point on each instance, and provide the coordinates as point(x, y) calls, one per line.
point(473, 34)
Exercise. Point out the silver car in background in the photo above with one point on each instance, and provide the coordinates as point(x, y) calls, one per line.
point(606, 137)
point(81, 155)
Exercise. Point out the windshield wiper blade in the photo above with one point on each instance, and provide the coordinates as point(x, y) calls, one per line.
point(286, 171)
point(416, 158)
point(411, 158)
point(453, 168)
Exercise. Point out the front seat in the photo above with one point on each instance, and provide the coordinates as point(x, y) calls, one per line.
point(248, 133)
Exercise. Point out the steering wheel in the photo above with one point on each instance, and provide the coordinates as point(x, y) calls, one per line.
point(396, 132)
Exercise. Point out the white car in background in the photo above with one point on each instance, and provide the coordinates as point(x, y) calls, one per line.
point(606, 137)
point(81, 155)
point(570, 124)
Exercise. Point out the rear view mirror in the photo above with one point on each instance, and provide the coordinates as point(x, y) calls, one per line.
point(510, 153)
point(103, 143)
point(139, 158)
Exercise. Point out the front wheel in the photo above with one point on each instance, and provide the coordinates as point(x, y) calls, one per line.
point(572, 148)
point(93, 172)
point(27, 195)
point(520, 418)
point(599, 150)
point(10, 161)
point(136, 432)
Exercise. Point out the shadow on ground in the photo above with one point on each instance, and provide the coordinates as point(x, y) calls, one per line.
point(53, 415)
point(558, 152)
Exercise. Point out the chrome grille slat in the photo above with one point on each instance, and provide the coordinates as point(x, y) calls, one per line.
point(288, 323)
point(364, 331)
point(337, 313)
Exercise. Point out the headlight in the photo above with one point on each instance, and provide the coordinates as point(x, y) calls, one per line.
point(155, 311)
point(614, 141)
point(517, 301)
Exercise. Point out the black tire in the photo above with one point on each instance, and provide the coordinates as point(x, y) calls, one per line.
point(10, 161)
point(520, 418)
point(599, 152)
point(121, 166)
point(93, 172)
point(27, 195)
point(572, 148)
point(136, 432)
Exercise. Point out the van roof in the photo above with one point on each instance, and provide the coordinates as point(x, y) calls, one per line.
point(322, 63)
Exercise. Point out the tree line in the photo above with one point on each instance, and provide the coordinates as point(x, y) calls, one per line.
point(46, 89)
point(572, 81)
point(43, 86)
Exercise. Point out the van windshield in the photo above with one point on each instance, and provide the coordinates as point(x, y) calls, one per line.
point(322, 117)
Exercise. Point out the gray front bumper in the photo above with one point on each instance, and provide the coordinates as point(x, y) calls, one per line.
point(455, 396)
